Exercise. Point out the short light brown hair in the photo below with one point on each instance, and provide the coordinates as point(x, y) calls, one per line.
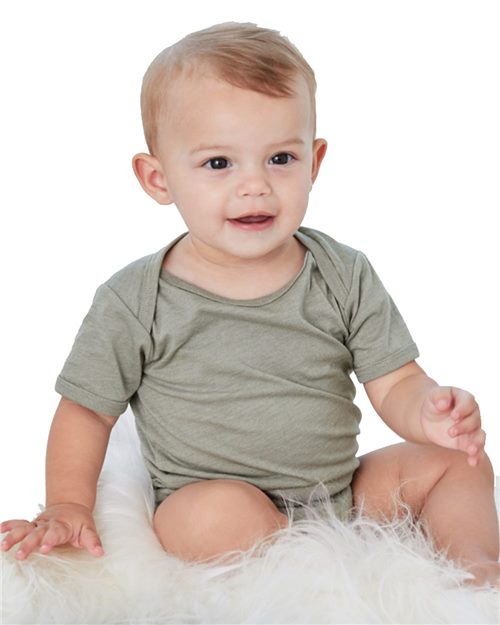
point(244, 55)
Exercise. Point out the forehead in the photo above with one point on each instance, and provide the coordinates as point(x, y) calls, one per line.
point(203, 105)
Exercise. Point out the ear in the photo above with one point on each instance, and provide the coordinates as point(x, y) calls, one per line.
point(150, 174)
point(319, 151)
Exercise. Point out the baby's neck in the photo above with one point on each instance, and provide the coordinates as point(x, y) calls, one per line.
point(239, 280)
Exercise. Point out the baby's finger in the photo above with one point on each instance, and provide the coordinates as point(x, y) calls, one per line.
point(475, 448)
point(17, 533)
point(6, 526)
point(474, 460)
point(441, 397)
point(30, 543)
point(90, 541)
point(465, 404)
point(467, 425)
point(56, 534)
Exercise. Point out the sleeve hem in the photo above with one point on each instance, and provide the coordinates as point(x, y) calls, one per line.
point(89, 400)
point(388, 364)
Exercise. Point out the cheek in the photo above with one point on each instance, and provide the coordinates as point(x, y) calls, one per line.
point(297, 189)
point(201, 208)
point(191, 196)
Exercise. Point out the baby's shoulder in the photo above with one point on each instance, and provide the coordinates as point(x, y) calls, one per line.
point(136, 284)
point(342, 259)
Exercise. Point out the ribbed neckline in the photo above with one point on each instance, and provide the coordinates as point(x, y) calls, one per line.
point(254, 302)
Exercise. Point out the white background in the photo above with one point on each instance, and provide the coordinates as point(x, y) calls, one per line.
point(409, 101)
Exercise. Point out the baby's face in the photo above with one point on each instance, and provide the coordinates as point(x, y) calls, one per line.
point(239, 165)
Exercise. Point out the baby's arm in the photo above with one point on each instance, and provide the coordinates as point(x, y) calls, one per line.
point(419, 410)
point(75, 453)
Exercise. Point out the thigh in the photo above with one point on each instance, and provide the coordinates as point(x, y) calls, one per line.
point(403, 473)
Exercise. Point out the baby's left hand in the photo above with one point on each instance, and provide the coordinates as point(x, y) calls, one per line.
point(450, 417)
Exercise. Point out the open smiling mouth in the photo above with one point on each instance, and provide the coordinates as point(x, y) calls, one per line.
point(253, 222)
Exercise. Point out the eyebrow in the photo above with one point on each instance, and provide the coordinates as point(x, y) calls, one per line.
point(209, 148)
point(222, 148)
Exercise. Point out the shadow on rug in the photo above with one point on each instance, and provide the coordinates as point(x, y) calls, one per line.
point(318, 570)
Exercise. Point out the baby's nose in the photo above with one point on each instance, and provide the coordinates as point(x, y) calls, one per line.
point(253, 184)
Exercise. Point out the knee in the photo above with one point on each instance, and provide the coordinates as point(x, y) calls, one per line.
point(205, 519)
point(234, 506)
point(454, 461)
point(485, 468)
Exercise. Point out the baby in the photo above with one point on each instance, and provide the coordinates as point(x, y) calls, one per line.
point(235, 343)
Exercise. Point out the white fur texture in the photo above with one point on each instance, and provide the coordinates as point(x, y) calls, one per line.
point(317, 571)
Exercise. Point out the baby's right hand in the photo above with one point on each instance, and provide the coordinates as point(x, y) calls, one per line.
point(60, 524)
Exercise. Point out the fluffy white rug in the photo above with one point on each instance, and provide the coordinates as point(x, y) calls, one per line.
point(317, 571)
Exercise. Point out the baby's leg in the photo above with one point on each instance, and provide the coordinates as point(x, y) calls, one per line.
point(206, 519)
point(454, 500)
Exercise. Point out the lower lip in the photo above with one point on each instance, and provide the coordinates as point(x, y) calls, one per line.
point(256, 226)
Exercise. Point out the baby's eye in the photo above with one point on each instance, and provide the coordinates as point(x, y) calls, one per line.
point(219, 162)
point(283, 158)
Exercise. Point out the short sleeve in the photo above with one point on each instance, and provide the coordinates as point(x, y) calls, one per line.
point(104, 367)
point(378, 338)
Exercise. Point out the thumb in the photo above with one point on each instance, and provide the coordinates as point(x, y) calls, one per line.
point(442, 397)
point(90, 541)
point(440, 401)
